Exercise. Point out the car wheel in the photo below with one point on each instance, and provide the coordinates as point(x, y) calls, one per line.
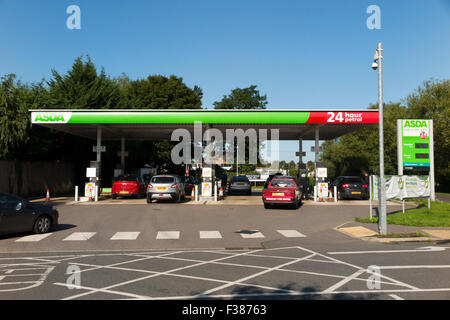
point(114, 196)
point(339, 196)
point(43, 224)
point(149, 200)
point(250, 193)
point(267, 206)
point(178, 199)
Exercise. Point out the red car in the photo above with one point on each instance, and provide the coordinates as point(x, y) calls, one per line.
point(128, 185)
point(282, 190)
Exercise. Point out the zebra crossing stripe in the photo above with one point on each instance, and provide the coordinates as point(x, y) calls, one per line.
point(291, 233)
point(252, 235)
point(34, 237)
point(210, 235)
point(162, 235)
point(125, 236)
point(79, 236)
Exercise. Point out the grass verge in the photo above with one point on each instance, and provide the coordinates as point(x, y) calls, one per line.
point(403, 235)
point(437, 216)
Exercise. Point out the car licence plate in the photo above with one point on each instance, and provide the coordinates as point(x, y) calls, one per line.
point(123, 192)
point(161, 188)
point(278, 194)
point(356, 192)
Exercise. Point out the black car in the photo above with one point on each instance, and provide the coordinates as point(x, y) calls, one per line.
point(351, 187)
point(19, 215)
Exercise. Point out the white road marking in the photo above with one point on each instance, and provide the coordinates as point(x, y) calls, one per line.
point(344, 281)
point(252, 235)
point(396, 297)
point(291, 233)
point(125, 236)
point(156, 274)
point(79, 236)
point(437, 266)
point(2, 277)
point(423, 249)
point(168, 235)
point(34, 237)
point(210, 235)
point(257, 274)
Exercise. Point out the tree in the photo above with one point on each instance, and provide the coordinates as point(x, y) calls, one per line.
point(160, 92)
point(432, 101)
point(247, 98)
point(13, 114)
point(83, 87)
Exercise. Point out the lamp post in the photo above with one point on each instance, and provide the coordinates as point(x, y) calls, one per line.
point(378, 64)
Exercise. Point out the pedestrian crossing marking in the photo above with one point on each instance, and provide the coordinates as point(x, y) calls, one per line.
point(168, 235)
point(252, 235)
point(291, 233)
point(125, 236)
point(210, 235)
point(79, 236)
point(161, 235)
point(34, 237)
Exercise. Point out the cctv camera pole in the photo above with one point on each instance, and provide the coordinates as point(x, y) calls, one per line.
point(382, 228)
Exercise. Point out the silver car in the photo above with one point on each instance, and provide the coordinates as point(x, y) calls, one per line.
point(240, 184)
point(165, 187)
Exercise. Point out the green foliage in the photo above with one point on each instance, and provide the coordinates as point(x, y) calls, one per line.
point(83, 87)
point(432, 101)
point(247, 98)
point(14, 120)
point(159, 92)
point(437, 216)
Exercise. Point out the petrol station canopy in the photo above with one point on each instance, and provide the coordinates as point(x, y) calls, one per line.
point(158, 124)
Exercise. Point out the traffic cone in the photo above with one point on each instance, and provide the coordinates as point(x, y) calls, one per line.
point(330, 196)
point(220, 193)
point(47, 196)
point(193, 193)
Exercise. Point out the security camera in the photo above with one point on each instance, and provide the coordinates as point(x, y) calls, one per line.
point(374, 65)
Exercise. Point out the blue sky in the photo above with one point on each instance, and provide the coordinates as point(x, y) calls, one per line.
point(301, 54)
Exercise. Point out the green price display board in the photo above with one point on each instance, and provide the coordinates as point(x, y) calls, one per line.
point(415, 143)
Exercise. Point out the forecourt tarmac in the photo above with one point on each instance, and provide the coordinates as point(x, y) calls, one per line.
point(179, 251)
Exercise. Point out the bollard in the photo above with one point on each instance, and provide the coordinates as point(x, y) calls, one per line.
point(96, 193)
point(335, 194)
point(76, 193)
point(196, 192)
point(215, 192)
point(315, 193)
point(47, 195)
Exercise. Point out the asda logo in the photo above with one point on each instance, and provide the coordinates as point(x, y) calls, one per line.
point(415, 124)
point(50, 117)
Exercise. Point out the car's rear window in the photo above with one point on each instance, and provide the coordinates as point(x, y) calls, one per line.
point(239, 179)
point(282, 183)
point(127, 178)
point(353, 180)
point(163, 179)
